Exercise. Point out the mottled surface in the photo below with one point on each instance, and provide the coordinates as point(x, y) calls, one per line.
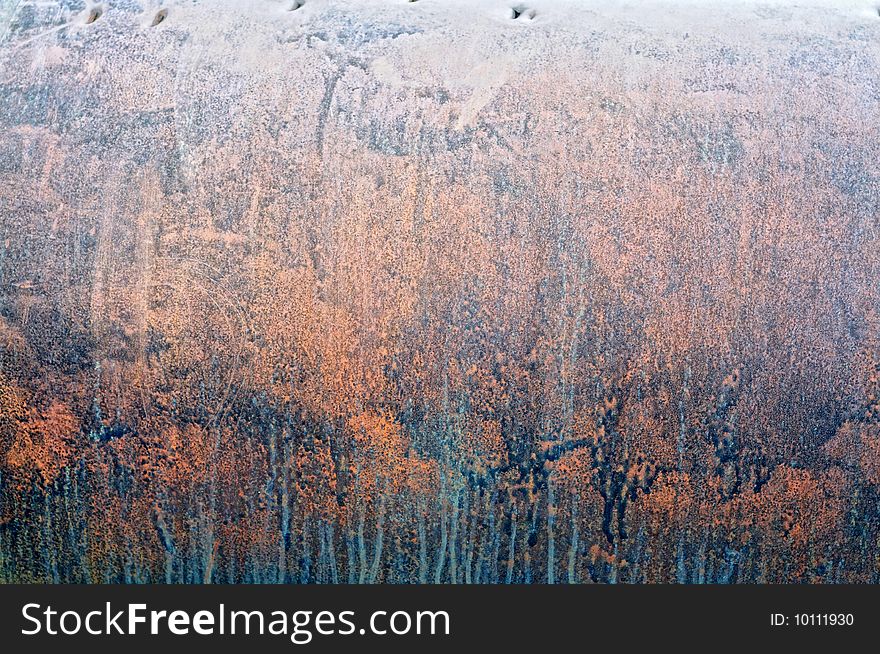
point(422, 291)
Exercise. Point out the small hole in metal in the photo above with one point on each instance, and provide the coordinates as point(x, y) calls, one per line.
point(522, 10)
point(94, 14)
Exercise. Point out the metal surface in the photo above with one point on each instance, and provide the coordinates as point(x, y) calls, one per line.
point(439, 291)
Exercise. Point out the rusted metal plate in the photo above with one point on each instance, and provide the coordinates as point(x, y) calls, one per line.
point(390, 291)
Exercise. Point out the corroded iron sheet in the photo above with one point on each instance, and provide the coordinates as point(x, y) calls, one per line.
point(389, 291)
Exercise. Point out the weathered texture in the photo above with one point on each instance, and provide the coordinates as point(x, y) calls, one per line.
point(392, 291)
